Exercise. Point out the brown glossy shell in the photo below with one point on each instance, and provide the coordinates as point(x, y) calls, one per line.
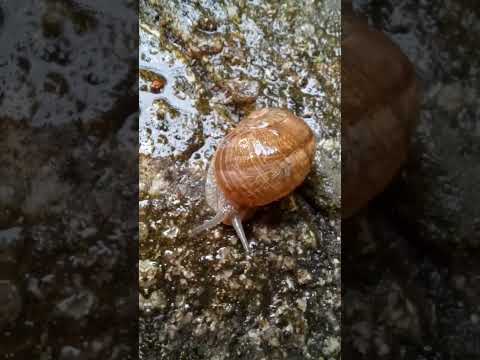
point(216, 199)
point(379, 110)
point(264, 158)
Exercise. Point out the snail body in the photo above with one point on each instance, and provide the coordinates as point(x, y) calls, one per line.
point(263, 159)
point(379, 111)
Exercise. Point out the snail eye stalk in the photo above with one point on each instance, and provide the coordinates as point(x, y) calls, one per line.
point(237, 225)
point(216, 220)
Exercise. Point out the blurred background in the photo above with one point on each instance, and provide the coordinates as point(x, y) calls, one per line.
point(410, 270)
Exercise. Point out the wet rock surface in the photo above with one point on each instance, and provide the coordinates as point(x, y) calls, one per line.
point(67, 81)
point(202, 297)
point(413, 253)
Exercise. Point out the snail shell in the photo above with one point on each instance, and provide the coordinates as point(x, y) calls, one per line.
point(263, 159)
point(379, 110)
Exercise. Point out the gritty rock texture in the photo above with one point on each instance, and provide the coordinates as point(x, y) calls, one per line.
point(412, 289)
point(202, 297)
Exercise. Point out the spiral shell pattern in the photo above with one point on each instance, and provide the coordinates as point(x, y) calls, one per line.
point(264, 158)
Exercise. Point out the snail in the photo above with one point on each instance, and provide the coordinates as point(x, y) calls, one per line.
point(380, 105)
point(263, 159)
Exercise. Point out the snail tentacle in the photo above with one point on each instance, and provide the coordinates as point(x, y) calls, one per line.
point(224, 210)
point(216, 220)
point(237, 225)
